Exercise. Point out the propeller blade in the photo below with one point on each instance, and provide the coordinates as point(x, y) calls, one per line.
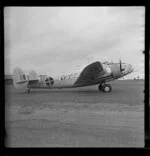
point(120, 66)
point(121, 69)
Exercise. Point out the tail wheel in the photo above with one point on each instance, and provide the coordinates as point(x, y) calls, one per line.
point(28, 90)
point(107, 88)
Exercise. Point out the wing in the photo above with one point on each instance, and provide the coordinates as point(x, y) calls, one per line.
point(90, 74)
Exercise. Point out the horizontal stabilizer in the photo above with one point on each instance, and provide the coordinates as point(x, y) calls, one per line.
point(21, 82)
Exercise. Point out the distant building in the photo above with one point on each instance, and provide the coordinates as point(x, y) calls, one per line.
point(8, 79)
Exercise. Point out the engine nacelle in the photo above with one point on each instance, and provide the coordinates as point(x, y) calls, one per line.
point(115, 70)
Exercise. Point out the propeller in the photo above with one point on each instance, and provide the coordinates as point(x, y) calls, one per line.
point(121, 69)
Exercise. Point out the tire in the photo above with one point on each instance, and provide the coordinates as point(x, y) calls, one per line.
point(28, 90)
point(107, 88)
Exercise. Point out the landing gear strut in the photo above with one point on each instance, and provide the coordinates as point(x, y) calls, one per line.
point(28, 90)
point(105, 88)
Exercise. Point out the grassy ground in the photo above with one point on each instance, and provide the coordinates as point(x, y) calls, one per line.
point(77, 117)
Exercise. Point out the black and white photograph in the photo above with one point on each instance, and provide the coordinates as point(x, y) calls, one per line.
point(74, 76)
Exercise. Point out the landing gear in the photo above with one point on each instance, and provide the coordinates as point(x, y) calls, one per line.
point(28, 90)
point(100, 87)
point(105, 88)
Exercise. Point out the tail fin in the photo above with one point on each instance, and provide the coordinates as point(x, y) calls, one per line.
point(20, 80)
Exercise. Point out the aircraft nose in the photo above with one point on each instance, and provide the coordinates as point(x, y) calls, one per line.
point(129, 68)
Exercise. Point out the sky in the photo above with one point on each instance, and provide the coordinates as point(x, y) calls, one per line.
point(59, 40)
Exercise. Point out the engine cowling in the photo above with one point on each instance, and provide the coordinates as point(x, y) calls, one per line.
point(115, 70)
point(49, 81)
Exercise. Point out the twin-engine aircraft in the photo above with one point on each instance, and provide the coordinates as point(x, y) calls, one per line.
point(92, 74)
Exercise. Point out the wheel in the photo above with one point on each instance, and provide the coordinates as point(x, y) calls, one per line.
point(107, 88)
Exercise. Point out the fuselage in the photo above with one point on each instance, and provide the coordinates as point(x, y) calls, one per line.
point(111, 71)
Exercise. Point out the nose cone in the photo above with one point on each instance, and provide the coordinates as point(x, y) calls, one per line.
point(130, 68)
point(127, 68)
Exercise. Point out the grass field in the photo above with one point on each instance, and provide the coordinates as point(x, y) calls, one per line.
point(79, 117)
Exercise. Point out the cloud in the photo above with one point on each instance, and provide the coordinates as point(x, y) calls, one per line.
point(56, 39)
